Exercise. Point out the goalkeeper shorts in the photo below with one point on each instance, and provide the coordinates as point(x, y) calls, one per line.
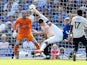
point(28, 37)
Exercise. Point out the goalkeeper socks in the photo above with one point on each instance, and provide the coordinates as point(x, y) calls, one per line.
point(16, 49)
point(41, 49)
point(37, 46)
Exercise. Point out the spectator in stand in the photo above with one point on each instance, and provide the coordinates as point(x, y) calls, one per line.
point(35, 25)
point(77, 3)
point(49, 5)
point(24, 4)
point(11, 19)
point(3, 43)
point(29, 1)
point(46, 12)
point(60, 19)
point(70, 6)
point(9, 28)
point(2, 26)
point(64, 14)
point(16, 15)
point(84, 5)
point(4, 17)
point(56, 3)
point(19, 10)
point(10, 12)
point(13, 4)
point(4, 1)
point(55, 15)
point(41, 4)
point(55, 52)
point(1, 7)
point(74, 11)
point(59, 15)
point(63, 2)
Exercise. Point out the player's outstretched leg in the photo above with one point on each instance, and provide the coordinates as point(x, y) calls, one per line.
point(43, 46)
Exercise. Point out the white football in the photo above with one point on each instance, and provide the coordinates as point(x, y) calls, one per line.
point(32, 6)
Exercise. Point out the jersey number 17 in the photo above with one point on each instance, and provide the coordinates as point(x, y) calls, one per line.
point(77, 25)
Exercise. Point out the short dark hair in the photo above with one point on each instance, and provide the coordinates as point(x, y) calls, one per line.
point(79, 12)
point(40, 21)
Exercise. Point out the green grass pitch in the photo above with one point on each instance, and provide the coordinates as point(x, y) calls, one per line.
point(42, 62)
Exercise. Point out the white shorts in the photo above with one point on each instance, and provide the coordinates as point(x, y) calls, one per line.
point(58, 37)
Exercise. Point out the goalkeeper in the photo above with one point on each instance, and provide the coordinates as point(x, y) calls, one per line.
point(25, 25)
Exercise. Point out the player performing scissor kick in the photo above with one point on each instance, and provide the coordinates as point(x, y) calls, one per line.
point(54, 34)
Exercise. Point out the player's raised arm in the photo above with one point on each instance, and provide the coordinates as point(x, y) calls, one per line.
point(33, 9)
point(41, 15)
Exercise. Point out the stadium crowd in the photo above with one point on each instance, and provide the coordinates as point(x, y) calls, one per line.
point(55, 10)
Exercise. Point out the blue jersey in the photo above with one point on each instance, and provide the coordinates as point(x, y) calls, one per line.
point(66, 31)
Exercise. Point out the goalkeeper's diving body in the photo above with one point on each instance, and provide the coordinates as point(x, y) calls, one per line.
point(24, 31)
point(53, 33)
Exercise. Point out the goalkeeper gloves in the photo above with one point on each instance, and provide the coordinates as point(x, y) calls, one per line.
point(14, 34)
